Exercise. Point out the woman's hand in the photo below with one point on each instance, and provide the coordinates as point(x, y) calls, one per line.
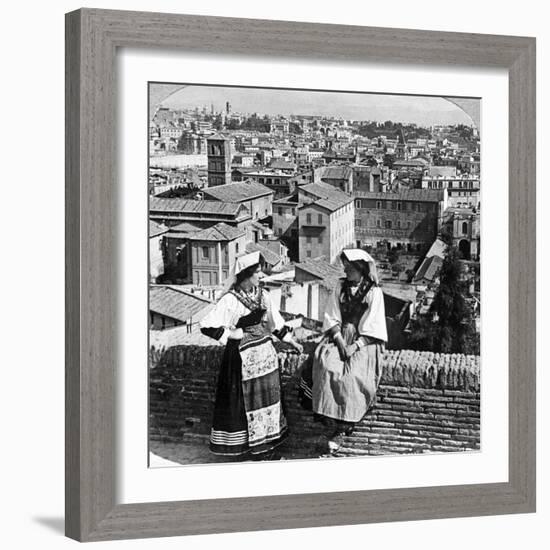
point(296, 345)
point(350, 350)
point(236, 334)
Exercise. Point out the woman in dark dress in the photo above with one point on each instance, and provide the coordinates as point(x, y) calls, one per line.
point(345, 367)
point(248, 412)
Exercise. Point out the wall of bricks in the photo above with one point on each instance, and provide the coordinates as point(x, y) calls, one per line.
point(426, 402)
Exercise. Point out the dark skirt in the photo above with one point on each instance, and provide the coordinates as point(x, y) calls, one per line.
point(248, 413)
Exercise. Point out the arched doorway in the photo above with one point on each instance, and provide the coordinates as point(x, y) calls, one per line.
point(464, 249)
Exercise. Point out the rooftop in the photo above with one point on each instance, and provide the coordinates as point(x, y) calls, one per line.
point(328, 274)
point(337, 172)
point(237, 191)
point(177, 303)
point(156, 229)
point(419, 195)
point(327, 196)
point(160, 204)
point(219, 232)
point(429, 268)
point(269, 256)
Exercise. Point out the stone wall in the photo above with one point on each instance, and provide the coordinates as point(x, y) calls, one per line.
point(426, 402)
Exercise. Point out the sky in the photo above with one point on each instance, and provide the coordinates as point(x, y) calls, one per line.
point(422, 110)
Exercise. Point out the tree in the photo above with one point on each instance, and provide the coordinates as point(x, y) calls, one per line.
point(450, 325)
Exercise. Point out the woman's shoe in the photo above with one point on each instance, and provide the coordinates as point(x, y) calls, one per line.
point(335, 442)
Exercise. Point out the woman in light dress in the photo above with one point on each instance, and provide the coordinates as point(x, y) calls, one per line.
point(345, 368)
point(248, 414)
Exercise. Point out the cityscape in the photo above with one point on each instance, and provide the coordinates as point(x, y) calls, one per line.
point(299, 188)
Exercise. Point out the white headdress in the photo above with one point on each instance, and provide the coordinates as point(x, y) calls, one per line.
point(358, 254)
point(241, 263)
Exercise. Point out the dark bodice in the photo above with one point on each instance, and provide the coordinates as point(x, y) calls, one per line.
point(353, 305)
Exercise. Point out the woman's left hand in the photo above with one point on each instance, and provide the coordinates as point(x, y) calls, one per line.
point(350, 350)
point(297, 346)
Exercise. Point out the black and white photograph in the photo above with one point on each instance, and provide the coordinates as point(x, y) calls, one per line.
point(314, 274)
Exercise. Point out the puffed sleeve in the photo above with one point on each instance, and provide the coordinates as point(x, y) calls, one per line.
point(275, 321)
point(373, 322)
point(333, 316)
point(218, 322)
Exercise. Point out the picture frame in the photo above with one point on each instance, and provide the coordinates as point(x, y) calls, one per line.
point(92, 39)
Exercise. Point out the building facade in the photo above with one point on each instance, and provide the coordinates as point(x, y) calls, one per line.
point(408, 219)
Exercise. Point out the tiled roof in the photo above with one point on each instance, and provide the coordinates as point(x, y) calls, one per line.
point(185, 227)
point(237, 191)
point(269, 256)
point(337, 172)
point(219, 232)
point(288, 199)
point(160, 204)
point(420, 195)
point(328, 274)
point(429, 268)
point(327, 196)
point(177, 304)
point(156, 229)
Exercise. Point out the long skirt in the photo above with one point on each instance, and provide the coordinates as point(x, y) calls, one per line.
point(248, 412)
point(342, 390)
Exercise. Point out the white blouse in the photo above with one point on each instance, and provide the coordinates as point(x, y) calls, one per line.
point(230, 309)
point(373, 321)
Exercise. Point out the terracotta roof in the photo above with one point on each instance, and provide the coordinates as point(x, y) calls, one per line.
point(337, 172)
point(237, 191)
point(177, 304)
point(269, 256)
point(219, 232)
point(156, 229)
point(160, 204)
point(429, 268)
point(328, 274)
point(327, 196)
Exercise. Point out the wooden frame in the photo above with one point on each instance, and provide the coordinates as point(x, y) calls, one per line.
point(92, 39)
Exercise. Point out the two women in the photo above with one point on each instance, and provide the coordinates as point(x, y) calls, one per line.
point(345, 369)
point(248, 413)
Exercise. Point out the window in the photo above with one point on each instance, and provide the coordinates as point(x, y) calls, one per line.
point(280, 211)
point(308, 218)
point(464, 228)
point(398, 224)
point(398, 206)
point(393, 205)
point(378, 223)
point(378, 205)
point(294, 211)
point(236, 248)
point(308, 240)
point(320, 239)
point(357, 223)
point(205, 253)
point(387, 224)
point(308, 253)
point(357, 204)
point(320, 219)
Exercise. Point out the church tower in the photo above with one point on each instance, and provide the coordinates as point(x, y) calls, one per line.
point(219, 160)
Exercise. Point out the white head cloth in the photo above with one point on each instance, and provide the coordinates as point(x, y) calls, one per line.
point(355, 254)
point(241, 263)
point(358, 254)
